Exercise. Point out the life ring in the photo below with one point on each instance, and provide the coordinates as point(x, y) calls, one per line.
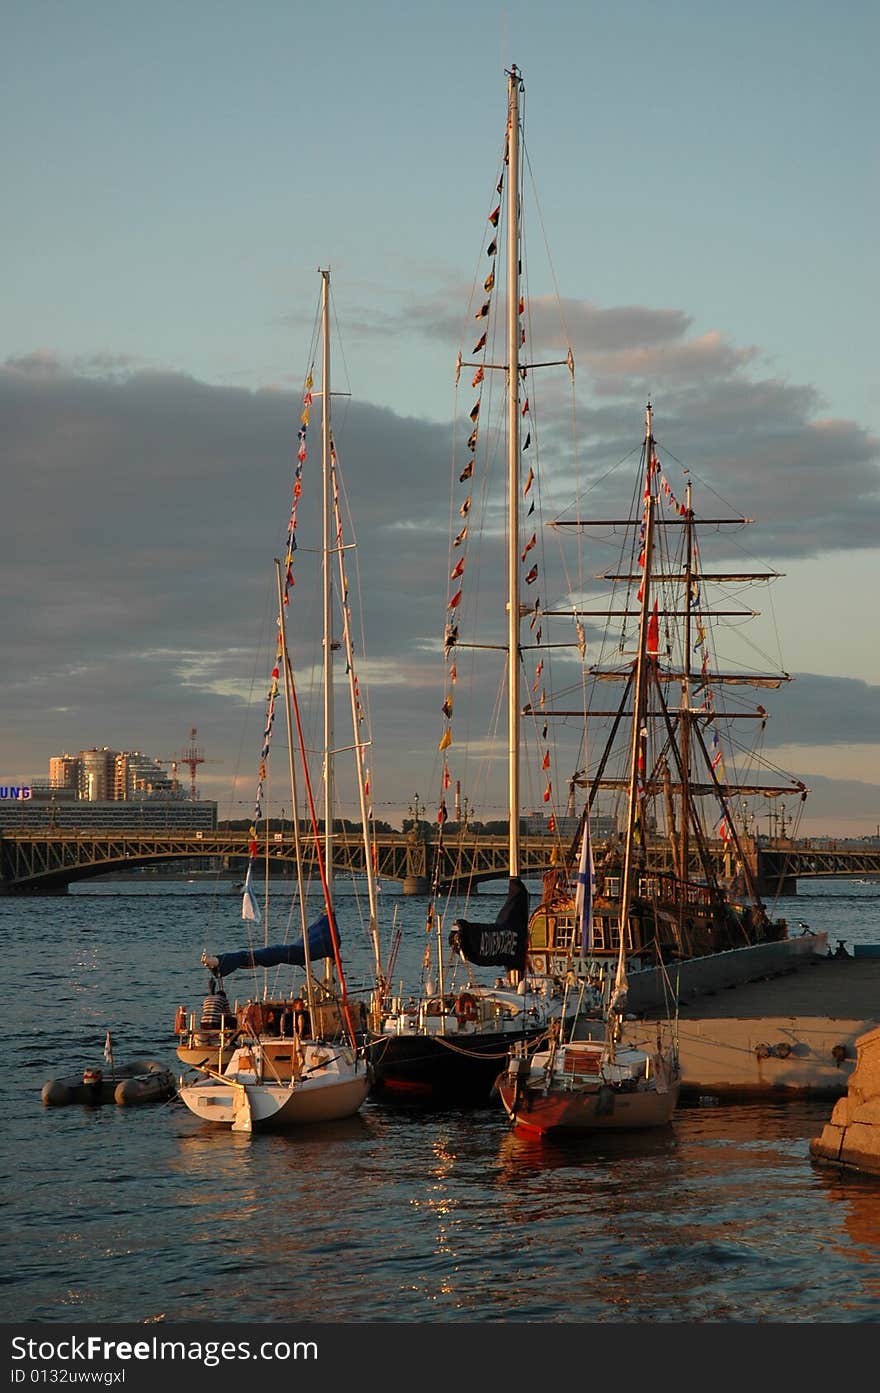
point(466, 1007)
point(180, 1020)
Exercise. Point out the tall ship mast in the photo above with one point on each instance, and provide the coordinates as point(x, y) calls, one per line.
point(674, 877)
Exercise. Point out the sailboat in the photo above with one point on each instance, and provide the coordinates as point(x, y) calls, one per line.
point(281, 1061)
point(447, 1044)
point(675, 873)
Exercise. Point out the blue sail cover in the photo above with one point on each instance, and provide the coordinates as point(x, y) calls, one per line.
point(320, 946)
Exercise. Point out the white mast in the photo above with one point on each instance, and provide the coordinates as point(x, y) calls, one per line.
point(291, 769)
point(328, 582)
point(358, 746)
point(514, 86)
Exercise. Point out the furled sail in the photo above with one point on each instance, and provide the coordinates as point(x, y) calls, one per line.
point(502, 944)
point(320, 946)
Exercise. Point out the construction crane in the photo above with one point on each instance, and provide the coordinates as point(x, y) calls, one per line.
point(191, 756)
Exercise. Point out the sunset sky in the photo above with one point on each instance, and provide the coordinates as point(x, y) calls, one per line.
point(706, 178)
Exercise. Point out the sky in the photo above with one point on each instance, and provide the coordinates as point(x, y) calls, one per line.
point(705, 190)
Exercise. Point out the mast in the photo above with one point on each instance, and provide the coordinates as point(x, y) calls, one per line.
point(639, 734)
point(685, 711)
point(514, 86)
point(288, 716)
point(327, 575)
point(357, 743)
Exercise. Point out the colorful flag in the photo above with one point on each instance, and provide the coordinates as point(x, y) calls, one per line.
point(481, 343)
point(108, 1048)
point(466, 472)
point(494, 215)
point(475, 411)
point(478, 376)
point(482, 311)
point(532, 575)
point(446, 741)
point(492, 248)
point(458, 569)
point(654, 634)
point(529, 481)
point(528, 546)
point(489, 281)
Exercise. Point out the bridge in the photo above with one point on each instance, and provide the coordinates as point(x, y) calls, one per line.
point(38, 862)
point(48, 862)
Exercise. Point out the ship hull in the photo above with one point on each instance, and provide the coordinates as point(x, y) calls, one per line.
point(439, 1070)
point(587, 1110)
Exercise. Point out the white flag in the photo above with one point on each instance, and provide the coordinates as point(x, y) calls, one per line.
point(585, 888)
point(249, 907)
point(108, 1049)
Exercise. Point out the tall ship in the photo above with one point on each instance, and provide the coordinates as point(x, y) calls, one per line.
point(681, 787)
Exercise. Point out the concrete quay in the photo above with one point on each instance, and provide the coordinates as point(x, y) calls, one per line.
point(794, 1032)
point(850, 1140)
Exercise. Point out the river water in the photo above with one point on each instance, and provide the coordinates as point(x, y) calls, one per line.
point(142, 1215)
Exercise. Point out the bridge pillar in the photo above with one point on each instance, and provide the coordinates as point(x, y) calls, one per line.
point(415, 881)
point(416, 885)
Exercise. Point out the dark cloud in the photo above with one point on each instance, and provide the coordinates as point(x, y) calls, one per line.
point(142, 510)
point(817, 710)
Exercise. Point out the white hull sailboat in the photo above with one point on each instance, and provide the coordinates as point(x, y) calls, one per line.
point(289, 1060)
point(325, 1082)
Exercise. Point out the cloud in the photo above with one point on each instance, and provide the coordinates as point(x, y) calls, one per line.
point(144, 507)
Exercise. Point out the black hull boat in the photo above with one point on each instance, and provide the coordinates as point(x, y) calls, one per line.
point(451, 1049)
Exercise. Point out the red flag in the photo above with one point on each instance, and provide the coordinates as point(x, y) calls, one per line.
point(546, 763)
point(551, 823)
point(547, 793)
point(458, 570)
point(532, 575)
point(525, 406)
point(456, 600)
point(529, 482)
point(493, 216)
point(654, 634)
point(478, 377)
point(528, 546)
